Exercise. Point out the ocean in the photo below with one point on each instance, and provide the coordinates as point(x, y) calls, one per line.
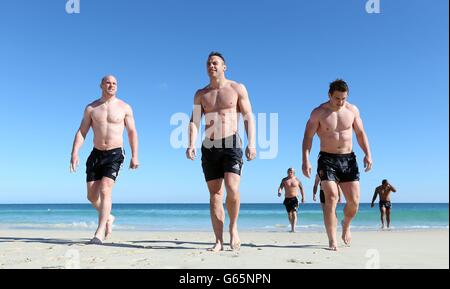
point(195, 217)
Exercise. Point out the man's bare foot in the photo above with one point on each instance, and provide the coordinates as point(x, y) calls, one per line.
point(217, 247)
point(346, 234)
point(332, 246)
point(109, 225)
point(235, 242)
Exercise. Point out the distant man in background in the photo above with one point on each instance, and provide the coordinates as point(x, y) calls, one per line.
point(384, 193)
point(291, 184)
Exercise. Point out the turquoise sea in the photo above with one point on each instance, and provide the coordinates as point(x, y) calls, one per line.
point(195, 217)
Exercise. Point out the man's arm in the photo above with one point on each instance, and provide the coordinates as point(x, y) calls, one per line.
point(80, 136)
point(194, 126)
point(311, 128)
point(392, 188)
point(316, 185)
point(302, 192)
point(363, 141)
point(280, 188)
point(245, 108)
point(374, 197)
point(132, 137)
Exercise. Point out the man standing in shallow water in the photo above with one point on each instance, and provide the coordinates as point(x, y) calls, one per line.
point(108, 116)
point(334, 122)
point(221, 102)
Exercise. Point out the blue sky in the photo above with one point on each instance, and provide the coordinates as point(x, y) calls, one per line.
point(285, 52)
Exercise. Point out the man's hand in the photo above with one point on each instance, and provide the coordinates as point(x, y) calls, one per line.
point(371, 205)
point(191, 153)
point(250, 153)
point(367, 163)
point(303, 200)
point(306, 168)
point(314, 197)
point(279, 194)
point(74, 161)
point(134, 163)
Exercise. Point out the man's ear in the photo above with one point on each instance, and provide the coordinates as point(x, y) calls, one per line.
point(224, 68)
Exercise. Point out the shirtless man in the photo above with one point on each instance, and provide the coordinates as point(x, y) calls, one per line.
point(384, 192)
point(290, 184)
point(108, 116)
point(334, 122)
point(221, 102)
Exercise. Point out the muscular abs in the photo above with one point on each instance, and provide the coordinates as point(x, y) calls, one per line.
point(221, 111)
point(335, 131)
point(108, 123)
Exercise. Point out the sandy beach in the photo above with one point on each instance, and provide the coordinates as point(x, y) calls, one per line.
point(188, 250)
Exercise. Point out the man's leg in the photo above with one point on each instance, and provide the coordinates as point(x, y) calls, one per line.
point(233, 201)
point(217, 212)
point(388, 217)
point(290, 218)
point(105, 191)
point(331, 199)
point(93, 195)
point(351, 192)
point(294, 220)
point(382, 214)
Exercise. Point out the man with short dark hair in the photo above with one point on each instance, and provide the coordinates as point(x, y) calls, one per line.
point(334, 122)
point(221, 101)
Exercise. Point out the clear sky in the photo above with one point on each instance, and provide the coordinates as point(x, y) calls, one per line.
point(285, 52)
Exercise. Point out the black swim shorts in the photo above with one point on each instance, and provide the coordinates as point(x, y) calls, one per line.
point(291, 204)
point(385, 204)
point(340, 168)
point(221, 156)
point(322, 196)
point(104, 164)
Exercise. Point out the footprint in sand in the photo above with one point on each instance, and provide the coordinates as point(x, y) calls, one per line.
point(299, 262)
point(142, 260)
point(53, 267)
point(97, 259)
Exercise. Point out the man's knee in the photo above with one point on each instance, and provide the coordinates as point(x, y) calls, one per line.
point(332, 198)
point(105, 190)
point(93, 196)
point(216, 196)
point(233, 197)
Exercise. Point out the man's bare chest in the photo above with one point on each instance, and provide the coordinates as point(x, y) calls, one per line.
point(217, 100)
point(337, 121)
point(112, 115)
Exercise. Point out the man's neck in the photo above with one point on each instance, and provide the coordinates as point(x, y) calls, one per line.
point(107, 98)
point(217, 83)
point(334, 108)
